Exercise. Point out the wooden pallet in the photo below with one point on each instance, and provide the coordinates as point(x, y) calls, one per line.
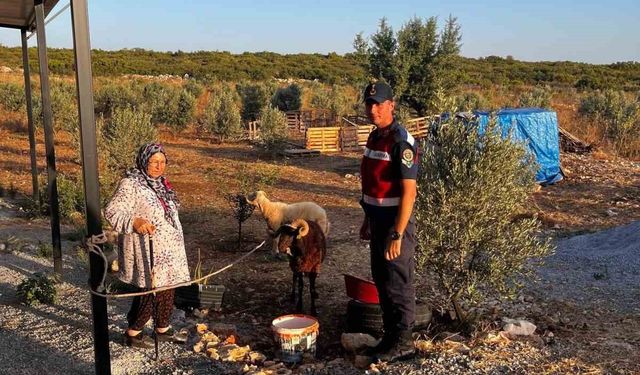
point(299, 152)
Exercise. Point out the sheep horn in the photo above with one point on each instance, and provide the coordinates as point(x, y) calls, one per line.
point(251, 199)
point(301, 225)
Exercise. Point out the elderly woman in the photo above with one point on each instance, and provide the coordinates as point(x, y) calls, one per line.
point(146, 205)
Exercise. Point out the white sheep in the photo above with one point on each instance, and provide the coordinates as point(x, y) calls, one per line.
point(278, 213)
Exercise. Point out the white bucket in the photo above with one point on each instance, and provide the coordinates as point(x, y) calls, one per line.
point(296, 334)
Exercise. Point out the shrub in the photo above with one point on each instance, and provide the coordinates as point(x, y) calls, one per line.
point(113, 96)
point(12, 97)
point(193, 87)
point(287, 98)
point(620, 117)
point(342, 102)
point(221, 116)
point(471, 188)
point(539, 97)
point(471, 101)
point(44, 250)
point(254, 98)
point(320, 97)
point(70, 196)
point(183, 114)
point(39, 288)
point(124, 132)
point(273, 128)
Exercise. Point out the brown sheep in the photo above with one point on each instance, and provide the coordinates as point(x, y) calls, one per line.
point(305, 244)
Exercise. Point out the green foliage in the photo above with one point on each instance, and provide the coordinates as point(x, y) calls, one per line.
point(44, 250)
point(620, 116)
point(335, 98)
point(222, 115)
point(39, 288)
point(70, 196)
point(12, 97)
point(417, 63)
point(539, 97)
point(471, 188)
point(330, 68)
point(113, 95)
point(287, 98)
point(273, 128)
point(254, 97)
point(471, 102)
point(193, 87)
point(124, 133)
point(382, 53)
point(320, 97)
point(183, 114)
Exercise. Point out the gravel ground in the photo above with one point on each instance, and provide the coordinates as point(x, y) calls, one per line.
point(597, 269)
point(57, 339)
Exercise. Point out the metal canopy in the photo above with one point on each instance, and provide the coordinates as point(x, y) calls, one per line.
point(19, 14)
point(27, 15)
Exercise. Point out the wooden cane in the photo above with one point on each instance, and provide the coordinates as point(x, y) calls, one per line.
point(155, 299)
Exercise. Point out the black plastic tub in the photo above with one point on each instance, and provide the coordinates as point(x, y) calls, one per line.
point(198, 296)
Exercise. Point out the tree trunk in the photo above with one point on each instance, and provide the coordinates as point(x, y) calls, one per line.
point(459, 313)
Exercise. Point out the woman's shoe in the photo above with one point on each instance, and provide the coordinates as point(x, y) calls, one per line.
point(168, 335)
point(138, 341)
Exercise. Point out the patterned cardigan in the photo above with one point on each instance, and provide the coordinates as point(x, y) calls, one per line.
point(132, 200)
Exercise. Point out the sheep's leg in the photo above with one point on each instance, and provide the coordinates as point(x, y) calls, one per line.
point(274, 247)
point(300, 290)
point(312, 290)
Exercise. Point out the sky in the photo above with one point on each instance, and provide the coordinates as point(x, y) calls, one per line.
point(592, 31)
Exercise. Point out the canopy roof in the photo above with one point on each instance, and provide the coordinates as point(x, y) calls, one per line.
point(19, 14)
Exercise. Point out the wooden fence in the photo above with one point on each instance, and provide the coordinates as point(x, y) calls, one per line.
point(351, 135)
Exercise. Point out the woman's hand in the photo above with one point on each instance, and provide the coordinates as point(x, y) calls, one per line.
point(142, 226)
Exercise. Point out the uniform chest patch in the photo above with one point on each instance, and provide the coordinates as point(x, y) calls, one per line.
point(407, 158)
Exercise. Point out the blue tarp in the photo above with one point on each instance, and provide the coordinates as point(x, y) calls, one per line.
point(539, 129)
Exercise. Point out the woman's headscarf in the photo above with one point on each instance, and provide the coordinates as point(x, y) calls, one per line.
point(160, 185)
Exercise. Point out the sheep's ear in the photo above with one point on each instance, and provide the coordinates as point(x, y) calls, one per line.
point(302, 226)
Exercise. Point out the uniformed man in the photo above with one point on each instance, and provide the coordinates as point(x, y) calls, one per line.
point(389, 170)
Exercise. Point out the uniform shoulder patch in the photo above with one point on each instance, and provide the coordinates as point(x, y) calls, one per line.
point(407, 157)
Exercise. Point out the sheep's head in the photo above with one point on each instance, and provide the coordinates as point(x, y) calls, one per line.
point(256, 198)
point(289, 233)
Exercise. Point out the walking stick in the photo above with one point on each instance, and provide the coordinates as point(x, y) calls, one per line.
point(155, 299)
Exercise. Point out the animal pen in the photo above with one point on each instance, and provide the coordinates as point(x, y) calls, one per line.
point(322, 131)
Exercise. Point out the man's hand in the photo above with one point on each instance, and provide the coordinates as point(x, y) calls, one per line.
point(393, 249)
point(365, 230)
point(142, 226)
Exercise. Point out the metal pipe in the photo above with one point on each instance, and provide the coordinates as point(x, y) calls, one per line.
point(35, 192)
point(88, 146)
point(52, 186)
point(51, 18)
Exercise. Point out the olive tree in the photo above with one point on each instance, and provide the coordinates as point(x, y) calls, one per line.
point(473, 188)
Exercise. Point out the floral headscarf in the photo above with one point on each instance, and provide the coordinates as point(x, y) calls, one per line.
point(161, 186)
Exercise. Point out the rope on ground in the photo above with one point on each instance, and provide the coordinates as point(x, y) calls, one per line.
point(94, 241)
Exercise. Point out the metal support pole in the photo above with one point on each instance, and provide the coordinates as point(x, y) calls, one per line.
point(88, 145)
point(52, 186)
point(32, 136)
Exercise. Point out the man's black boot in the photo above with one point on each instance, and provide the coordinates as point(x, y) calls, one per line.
point(384, 345)
point(401, 348)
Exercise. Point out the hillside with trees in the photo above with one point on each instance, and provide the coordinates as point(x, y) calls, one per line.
point(329, 68)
